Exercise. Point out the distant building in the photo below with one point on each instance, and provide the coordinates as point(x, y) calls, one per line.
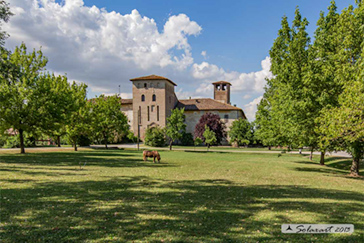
point(154, 98)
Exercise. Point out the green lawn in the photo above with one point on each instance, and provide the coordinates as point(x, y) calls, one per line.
point(189, 197)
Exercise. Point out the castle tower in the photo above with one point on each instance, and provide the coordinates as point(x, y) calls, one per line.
point(153, 98)
point(222, 91)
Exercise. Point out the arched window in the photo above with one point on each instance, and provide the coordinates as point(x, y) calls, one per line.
point(143, 98)
point(154, 98)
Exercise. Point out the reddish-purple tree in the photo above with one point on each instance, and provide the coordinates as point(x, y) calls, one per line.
point(214, 122)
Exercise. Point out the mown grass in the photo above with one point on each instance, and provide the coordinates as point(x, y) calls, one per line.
point(189, 197)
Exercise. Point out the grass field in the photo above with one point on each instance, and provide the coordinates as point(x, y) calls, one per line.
point(189, 197)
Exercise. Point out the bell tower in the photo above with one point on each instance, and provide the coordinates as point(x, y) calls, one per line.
point(222, 91)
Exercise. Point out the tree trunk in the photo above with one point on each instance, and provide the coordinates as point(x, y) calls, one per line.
point(311, 154)
point(170, 145)
point(75, 145)
point(322, 158)
point(354, 170)
point(208, 147)
point(105, 138)
point(21, 137)
point(59, 141)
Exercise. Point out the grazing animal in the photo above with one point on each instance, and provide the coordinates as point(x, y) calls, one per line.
point(153, 154)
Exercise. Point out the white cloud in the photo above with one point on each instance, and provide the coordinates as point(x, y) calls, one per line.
point(105, 49)
point(251, 108)
point(254, 81)
point(96, 46)
point(204, 54)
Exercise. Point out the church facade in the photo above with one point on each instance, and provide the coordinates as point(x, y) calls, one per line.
point(154, 99)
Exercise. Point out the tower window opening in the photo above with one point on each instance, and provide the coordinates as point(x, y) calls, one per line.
point(143, 98)
point(154, 98)
point(224, 87)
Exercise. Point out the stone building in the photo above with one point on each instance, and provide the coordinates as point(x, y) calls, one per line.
point(154, 98)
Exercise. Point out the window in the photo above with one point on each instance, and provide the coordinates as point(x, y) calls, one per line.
point(169, 99)
point(145, 85)
point(143, 98)
point(158, 113)
point(152, 108)
point(148, 114)
point(218, 86)
point(140, 115)
point(154, 98)
point(224, 87)
point(226, 117)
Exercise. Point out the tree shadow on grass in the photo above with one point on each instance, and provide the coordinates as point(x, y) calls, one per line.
point(105, 158)
point(144, 209)
point(334, 166)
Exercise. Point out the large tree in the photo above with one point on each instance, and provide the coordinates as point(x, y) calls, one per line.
point(343, 125)
point(59, 101)
point(20, 91)
point(214, 122)
point(175, 125)
point(108, 120)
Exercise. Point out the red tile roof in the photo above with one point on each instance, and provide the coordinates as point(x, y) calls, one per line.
point(153, 77)
point(222, 82)
point(205, 104)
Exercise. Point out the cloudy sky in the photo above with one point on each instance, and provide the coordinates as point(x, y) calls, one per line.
point(193, 43)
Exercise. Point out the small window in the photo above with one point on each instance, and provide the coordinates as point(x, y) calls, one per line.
point(158, 113)
point(148, 114)
point(152, 108)
point(145, 85)
point(218, 86)
point(224, 87)
point(226, 117)
point(170, 99)
point(143, 98)
point(140, 115)
point(154, 98)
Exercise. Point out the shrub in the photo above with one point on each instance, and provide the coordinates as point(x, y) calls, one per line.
point(155, 136)
point(187, 139)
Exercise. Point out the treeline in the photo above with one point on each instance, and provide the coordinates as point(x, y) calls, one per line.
point(36, 103)
point(316, 96)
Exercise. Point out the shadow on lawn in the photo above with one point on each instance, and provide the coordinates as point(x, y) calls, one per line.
point(107, 158)
point(339, 166)
point(145, 209)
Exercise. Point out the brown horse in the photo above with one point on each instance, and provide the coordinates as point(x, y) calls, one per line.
point(153, 154)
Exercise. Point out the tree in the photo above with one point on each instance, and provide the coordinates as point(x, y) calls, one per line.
point(198, 141)
point(108, 120)
point(342, 125)
point(214, 123)
point(155, 137)
point(5, 14)
point(59, 102)
point(175, 125)
point(79, 122)
point(209, 136)
point(20, 93)
point(241, 132)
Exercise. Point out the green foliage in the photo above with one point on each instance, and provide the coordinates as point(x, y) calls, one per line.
point(176, 125)
point(108, 121)
point(5, 14)
point(155, 137)
point(80, 118)
point(187, 139)
point(241, 132)
point(210, 137)
point(21, 91)
point(198, 141)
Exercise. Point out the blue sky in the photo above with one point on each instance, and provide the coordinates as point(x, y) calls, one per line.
point(194, 43)
point(236, 35)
